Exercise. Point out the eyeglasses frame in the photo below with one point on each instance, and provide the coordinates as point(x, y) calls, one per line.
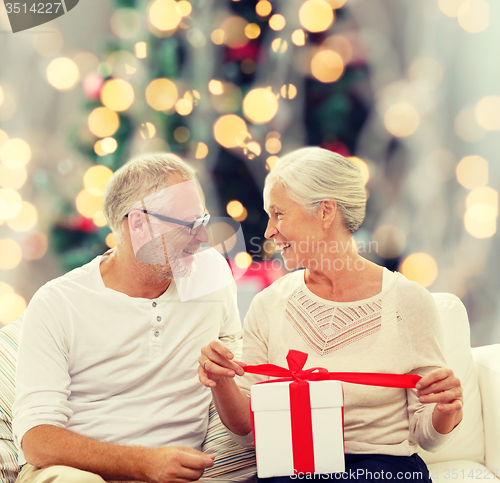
point(193, 225)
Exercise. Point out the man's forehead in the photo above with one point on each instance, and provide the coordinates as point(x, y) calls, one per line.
point(178, 195)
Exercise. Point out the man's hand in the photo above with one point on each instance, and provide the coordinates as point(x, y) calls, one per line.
point(442, 387)
point(179, 464)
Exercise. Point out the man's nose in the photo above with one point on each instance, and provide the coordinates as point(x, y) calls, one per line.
point(202, 234)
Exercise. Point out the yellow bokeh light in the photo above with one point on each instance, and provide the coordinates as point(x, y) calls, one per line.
point(474, 15)
point(253, 149)
point(163, 15)
point(103, 122)
point(299, 37)
point(98, 148)
point(217, 36)
point(96, 178)
point(216, 87)
point(273, 145)
point(12, 178)
point(467, 128)
point(260, 105)
point(488, 113)
point(147, 130)
point(183, 107)
point(472, 172)
point(271, 162)
point(401, 119)
point(252, 30)
point(481, 221)
point(288, 91)
point(450, 7)
point(181, 134)
point(365, 172)
point(11, 306)
point(184, 8)
point(15, 153)
point(63, 74)
point(161, 94)
point(5, 288)
point(125, 23)
point(279, 45)
point(243, 260)
point(277, 22)
point(109, 145)
point(316, 15)
point(234, 32)
point(117, 94)
point(25, 220)
point(483, 196)
point(420, 268)
point(87, 204)
point(110, 240)
point(263, 8)
point(230, 131)
point(141, 50)
point(35, 246)
point(10, 203)
point(99, 219)
point(327, 66)
point(10, 254)
point(201, 151)
point(235, 208)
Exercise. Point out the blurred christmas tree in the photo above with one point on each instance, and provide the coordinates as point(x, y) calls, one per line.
point(226, 85)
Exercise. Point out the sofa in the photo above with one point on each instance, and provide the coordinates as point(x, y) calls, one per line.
point(474, 453)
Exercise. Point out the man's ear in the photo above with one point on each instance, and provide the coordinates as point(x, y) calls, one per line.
point(137, 224)
point(328, 213)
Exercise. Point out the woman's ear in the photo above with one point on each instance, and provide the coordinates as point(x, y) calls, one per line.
point(328, 212)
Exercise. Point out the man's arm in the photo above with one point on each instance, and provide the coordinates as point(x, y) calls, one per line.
point(47, 445)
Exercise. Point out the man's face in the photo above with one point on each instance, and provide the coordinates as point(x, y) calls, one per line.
point(168, 245)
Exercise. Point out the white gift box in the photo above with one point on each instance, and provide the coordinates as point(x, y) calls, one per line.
point(270, 404)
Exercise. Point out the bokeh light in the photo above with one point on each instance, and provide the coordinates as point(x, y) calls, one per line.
point(217, 36)
point(271, 162)
point(480, 221)
point(327, 66)
point(273, 145)
point(341, 45)
point(182, 134)
point(234, 32)
point(467, 127)
point(164, 16)
point(15, 153)
point(277, 22)
point(472, 172)
point(420, 268)
point(161, 94)
point(183, 107)
point(12, 305)
point(12, 178)
point(111, 240)
point(243, 260)
point(98, 148)
point(365, 172)
point(10, 203)
point(483, 196)
point(34, 246)
point(215, 87)
point(147, 130)
point(109, 145)
point(450, 7)
point(474, 15)
point(141, 50)
point(88, 204)
point(252, 30)
point(125, 23)
point(336, 3)
point(10, 254)
point(279, 45)
point(230, 131)
point(201, 151)
point(229, 100)
point(117, 94)
point(99, 219)
point(25, 220)
point(103, 122)
point(487, 113)
point(390, 241)
point(316, 15)
point(63, 74)
point(96, 178)
point(288, 91)
point(184, 8)
point(260, 106)
point(299, 37)
point(234, 209)
point(121, 63)
point(401, 119)
point(263, 8)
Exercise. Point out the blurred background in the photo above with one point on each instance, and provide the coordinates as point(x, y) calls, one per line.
point(410, 91)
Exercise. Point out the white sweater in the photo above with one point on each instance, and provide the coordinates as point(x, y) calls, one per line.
point(114, 368)
point(396, 331)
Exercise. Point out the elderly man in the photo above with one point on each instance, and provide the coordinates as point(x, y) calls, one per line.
point(107, 385)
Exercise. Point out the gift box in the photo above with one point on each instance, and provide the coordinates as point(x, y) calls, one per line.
point(300, 443)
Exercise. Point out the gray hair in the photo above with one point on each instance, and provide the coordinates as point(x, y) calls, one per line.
point(137, 179)
point(311, 175)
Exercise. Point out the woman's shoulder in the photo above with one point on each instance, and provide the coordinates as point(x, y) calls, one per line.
point(281, 289)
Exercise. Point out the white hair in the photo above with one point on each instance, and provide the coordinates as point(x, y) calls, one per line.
point(137, 179)
point(312, 175)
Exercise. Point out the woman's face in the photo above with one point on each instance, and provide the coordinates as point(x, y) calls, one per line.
point(295, 232)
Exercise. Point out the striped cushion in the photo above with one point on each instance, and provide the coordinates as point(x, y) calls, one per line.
point(9, 342)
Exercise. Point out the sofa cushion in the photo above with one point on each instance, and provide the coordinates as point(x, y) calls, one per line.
point(9, 341)
point(468, 443)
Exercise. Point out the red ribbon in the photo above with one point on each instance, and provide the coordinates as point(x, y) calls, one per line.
point(300, 401)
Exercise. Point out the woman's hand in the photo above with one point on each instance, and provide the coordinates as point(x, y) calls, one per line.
point(441, 386)
point(217, 364)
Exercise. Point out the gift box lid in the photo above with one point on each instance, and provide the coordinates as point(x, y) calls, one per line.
point(276, 396)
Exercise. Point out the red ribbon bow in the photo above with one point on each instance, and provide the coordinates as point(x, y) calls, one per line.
point(300, 401)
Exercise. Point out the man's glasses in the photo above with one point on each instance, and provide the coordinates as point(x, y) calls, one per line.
point(194, 226)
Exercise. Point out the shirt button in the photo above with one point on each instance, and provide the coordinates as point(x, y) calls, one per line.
point(154, 304)
point(158, 318)
point(157, 333)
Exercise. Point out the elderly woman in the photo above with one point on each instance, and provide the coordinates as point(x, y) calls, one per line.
point(348, 314)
